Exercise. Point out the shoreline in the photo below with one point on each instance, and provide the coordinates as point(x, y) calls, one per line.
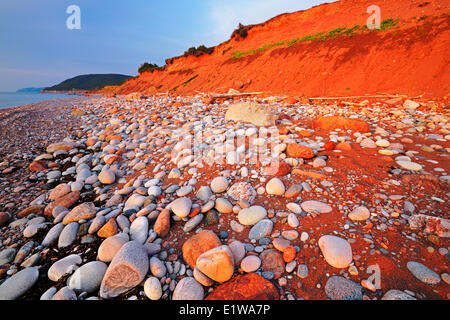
point(133, 142)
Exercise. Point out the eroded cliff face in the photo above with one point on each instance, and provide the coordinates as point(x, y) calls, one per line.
point(323, 51)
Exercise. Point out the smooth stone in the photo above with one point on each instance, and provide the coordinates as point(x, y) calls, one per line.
point(202, 278)
point(84, 211)
point(107, 176)
point(217, 264)
point(275, 187)
point(88, 277)
point(204, 193)
point(188, 289)
point(238, 250)
point(63, 267)
point(219, 185)
point(313, 206)
point(397, 295)
point(68, 235)
point(295, 208)
point(96, 224)
point(302, 271)
point(408, 165)
point(337, 251)
point(126, 271)
point(135, 200)
point(250, 264)
point(423, 273)
point(139, 230)
point(7, 255)
point(16, 286)
point(252, 215)
point(65, 293)
point(261, 230)
point(109, 248)
point(193, 223)
point(293, 220)
point(157, 268)
point(223, 206)
point(181, 207)
point(340, 288)
point(153, 289)
point(359, 214)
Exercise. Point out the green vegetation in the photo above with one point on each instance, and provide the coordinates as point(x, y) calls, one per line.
point(149, 67)
point(89, 82)
point(197, 52)
point(240, 32)
point(320, 36)
point(389, 24)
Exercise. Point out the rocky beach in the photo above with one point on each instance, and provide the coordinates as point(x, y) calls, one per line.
point(189, 198)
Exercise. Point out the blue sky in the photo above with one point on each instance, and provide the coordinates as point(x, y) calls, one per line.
point(116, 36)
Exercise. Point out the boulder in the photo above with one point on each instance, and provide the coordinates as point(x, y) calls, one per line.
point(254, 113)
point(198, 244)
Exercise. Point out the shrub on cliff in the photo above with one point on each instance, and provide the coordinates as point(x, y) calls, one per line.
point(193, 51)
point(148, 67)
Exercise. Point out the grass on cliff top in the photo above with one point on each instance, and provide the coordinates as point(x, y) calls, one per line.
point(320, 36)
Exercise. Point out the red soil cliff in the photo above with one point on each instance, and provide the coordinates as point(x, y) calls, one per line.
point(410, 57)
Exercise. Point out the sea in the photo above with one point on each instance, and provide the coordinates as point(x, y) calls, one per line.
point(15, 99)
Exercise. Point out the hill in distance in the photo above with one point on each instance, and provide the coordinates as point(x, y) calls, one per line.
point(89, 82)
point(28, 90)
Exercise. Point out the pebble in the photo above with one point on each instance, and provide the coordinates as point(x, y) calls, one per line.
point(188, 289)
point(16, 286)
point(63, 267)
point(423, 273)
point(340, 288)
point(337, 251)
point(181, 207)
point(260, 230)
point(275, 187)
point(252, 215)
point(68, 235)
point(219, 185)
point(153, 289)
point(250, 264)
point(88, 277)
point(316, 207)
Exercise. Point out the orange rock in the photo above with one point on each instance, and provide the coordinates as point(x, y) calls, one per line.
point(37, 209)
point(289, 254)
point(344, 146)
point(217, 264)
point(91, 141)
point(109, 229)
point(329, 146)
point(290, 100)
point(250, 286)
point(194, 212)
point(314, 175)
point(304, 133)
point(295, 150)
point(113, 159)
point(37, 166)
point(66, 201)
point(162, 224)
point(337, 122)
point(277, 169)
point(199, 244)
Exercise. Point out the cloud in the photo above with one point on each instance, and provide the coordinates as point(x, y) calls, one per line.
point(226, 16)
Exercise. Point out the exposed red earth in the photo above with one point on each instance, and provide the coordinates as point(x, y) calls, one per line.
point(410, 58)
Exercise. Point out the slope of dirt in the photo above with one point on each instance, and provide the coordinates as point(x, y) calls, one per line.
point(409, 58)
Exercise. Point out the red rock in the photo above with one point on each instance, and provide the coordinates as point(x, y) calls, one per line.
point(162, 224)
point(37, 166)
point(194, 212)
point(290, 100)
point(295, 150)
point(289, 254)
point(217, 264)
point(66, 201)
point(91, 141)
point(199, 244)
point(272, 260)
point(38, 209)
point(59, 191)
point(4, 218)
point(337, 122)
point(344, 146)
point(304, 133)
point(277, 169)
point(329, 146)
point(250, 286)
point(109, 229)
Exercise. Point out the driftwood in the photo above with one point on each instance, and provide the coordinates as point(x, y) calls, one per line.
point(360, 97)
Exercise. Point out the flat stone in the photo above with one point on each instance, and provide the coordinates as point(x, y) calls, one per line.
point(139, 230)
point(261, 230)
point(219, 185)
point(337, 251)
point(88, 277)
point(126, 271)
point(293, 191)
point(63, 267)
point(84, 211)
point(272, 261)
point(59, 191)
point(397, 295)
point(68, 235)
point(423, 273)
point(223, 206)
point(193, 223)
point(16, 286)
point(188, 289)
point(107, 176)
point(250, 264)
point(359, 214)
point(242, 191)
point(109, 248)
point(162, 224)
point(7, 255)
point(313, 206)
point(340, 288)
point(157, 268)
point(408, 165)
point(252, 215)
point(238, 250)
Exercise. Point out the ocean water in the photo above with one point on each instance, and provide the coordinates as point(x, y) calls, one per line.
point(15, 99)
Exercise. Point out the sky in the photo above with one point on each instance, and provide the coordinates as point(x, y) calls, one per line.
point(38, 50)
